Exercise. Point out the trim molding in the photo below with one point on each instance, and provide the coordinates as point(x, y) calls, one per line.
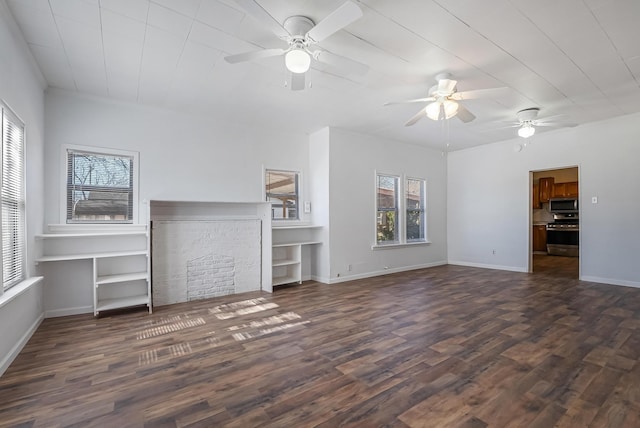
point(488, 266)
point(620, 282)
point(8, 359)
point(68, 311)
point(384, 272)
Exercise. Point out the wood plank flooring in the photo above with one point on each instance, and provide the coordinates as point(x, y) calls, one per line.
point(448, 346)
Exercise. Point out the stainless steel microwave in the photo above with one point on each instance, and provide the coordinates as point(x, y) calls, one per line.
point(563, 205)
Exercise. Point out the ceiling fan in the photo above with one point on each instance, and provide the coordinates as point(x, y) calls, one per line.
point(528, 120)
point(301, 34)
point(444, 101)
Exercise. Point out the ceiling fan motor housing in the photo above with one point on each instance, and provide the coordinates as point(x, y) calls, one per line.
point(528, 114)
point(298, 26)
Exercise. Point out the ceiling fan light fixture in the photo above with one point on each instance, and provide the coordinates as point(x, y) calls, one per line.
point(450, 109)
point(297, 61)
point(526, 130)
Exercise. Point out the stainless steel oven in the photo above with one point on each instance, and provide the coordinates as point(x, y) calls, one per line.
point(563, 235)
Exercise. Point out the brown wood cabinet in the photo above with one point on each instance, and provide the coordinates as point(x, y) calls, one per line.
point(540, 238)
point(535, 203)
point(565, 190)
point(546, 189)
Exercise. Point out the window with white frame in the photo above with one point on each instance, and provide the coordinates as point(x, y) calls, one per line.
point(415, 209)
point(100, 186)
point(387, 209)
point(13, 200)
point(400, 220)
point(282, 189)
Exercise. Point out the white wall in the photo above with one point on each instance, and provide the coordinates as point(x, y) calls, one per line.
point(489, 203)
point(182, 157)
point(354, 160)
point(21, 87)
point(320, 203)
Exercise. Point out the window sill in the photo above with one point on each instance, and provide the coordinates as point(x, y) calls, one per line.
point(18, 289)
point(399, 245)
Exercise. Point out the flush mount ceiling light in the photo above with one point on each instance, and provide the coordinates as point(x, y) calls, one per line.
point(297, 61)
point(442, 109)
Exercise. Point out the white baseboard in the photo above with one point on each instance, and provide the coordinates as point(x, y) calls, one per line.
point(621, 282)
point(8, 359)
point(488, 266)
point(68, 311)
point(383, 272)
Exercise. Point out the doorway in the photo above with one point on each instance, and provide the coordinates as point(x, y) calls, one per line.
point(554, 247)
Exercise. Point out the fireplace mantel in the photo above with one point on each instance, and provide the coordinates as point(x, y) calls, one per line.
point(187, 211)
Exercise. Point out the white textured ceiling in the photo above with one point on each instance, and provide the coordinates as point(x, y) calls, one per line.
point(578, 58)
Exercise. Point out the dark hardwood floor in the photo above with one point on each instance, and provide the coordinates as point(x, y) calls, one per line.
point(446, 346)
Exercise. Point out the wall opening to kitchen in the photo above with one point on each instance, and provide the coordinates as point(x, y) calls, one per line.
point(554, 248)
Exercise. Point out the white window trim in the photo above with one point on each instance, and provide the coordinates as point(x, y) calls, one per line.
point(105, 151)
point(401, 227)
point(263, 192)
point(399, 222)
point(25, 253)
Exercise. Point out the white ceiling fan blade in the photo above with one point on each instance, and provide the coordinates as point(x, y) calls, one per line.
point(297, 81)
point(257, 12)
point(464, 115)
point(341, 64)
point(250, 56)
point(422, 113)
point(477, 93)
point(335, 21)
point(555, 124)
point(417, 100)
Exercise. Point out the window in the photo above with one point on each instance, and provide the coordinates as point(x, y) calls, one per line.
point(13, 200)
point(100, 187)
point(416, 216)
point(387, 209)
point(282, 190)
point(400, 220)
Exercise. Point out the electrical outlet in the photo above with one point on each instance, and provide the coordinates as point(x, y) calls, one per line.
point(594, 199)
point(494, 252)
point(349, 268)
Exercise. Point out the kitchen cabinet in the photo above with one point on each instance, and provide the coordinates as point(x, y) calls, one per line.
point(546, 189)
point(540, 238)
point(566, 190)
point(536, 197)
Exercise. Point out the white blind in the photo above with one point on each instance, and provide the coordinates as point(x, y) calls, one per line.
point(13, 204)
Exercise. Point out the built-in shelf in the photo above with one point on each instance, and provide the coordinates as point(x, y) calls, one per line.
point(289, 244)
point(284, 262)
point(296, 226)
point(119, 255)
point(288, 240)
point(123, 277)
point(122, 302)
point(90, 256)
point(88, 235)
point(281, 280)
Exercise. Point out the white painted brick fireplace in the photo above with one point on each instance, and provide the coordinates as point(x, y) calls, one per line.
point(206, 255)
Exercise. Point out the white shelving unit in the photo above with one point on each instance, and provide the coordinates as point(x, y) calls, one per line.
point(288, 242)
point(120, 261)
